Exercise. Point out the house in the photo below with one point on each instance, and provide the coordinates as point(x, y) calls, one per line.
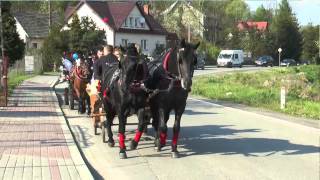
point(123, 23)
point(261, 26)
point(33, 27)
point(181, 15)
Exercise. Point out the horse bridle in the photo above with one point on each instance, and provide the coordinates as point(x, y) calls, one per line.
point(135, 84)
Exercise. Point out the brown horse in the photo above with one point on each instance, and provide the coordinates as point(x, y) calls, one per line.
point(79, 80)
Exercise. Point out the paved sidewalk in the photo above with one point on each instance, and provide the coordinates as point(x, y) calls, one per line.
point(35, 142)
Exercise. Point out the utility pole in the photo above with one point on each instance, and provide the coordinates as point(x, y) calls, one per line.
point(189, 33)
point(49, 8)
point(4, 62)
point(1, 38)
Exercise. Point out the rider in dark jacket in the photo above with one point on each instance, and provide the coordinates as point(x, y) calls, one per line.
point(104, 63)
point(103, 66)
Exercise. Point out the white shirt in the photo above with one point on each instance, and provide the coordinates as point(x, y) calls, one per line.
point(67, 64)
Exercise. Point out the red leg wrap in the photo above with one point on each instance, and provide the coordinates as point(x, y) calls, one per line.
point(175, 138)
point(121, 141)
point(138, 136)
point(163, 138)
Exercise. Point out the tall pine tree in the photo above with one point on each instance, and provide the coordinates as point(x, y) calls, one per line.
point(75, 34)
point(286, 29)
point(12, 43)
point(310, 48)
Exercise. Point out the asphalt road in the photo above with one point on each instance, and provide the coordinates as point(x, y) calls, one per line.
point(216, 142)
point(221, 70)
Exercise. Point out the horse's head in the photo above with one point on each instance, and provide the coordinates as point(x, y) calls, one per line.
point(130, 64)
point(186, 59)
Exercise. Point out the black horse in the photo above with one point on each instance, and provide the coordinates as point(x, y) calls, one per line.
point(174, 80)
point(124, 96)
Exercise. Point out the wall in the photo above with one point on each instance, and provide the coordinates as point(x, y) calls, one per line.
point(136, 38)
point(39, 42)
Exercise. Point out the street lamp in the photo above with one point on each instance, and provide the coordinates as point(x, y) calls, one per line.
point(279, 51)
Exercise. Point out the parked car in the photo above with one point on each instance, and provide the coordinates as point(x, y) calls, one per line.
point(288, 62)
point(264, 61)
point(230, 58)
point(200, 62)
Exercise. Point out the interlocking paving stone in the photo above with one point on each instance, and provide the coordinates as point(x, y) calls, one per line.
point(35, 142)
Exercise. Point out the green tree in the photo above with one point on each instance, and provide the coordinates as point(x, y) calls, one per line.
point(262, 14)
point(238, 9)
point(54, 46)
point(286, 29)
point(217, 23)
point(310, 37)
point(91, 37)
point(75, 34)
point(82, 37)
point(13, 44)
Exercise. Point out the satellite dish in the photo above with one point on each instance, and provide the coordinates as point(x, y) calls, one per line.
point(142, 20)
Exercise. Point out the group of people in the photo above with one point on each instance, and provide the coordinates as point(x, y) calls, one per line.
point(103, 59)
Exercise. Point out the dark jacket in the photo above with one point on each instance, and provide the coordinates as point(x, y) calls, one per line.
point(104, 64)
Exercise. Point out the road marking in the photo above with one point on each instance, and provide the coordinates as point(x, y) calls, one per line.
point(268, 117)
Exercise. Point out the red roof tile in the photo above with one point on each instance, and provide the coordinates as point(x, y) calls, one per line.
point(262, 26)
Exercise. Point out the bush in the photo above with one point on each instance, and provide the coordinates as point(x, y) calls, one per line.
point(211, 52)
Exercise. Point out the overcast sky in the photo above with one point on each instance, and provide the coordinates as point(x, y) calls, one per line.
point(306, 10)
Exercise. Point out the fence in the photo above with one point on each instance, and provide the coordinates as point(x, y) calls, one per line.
point(34, 66)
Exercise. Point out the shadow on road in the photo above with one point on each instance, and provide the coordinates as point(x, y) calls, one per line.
point(201, 140)
point(211, 139)
point(191, 112)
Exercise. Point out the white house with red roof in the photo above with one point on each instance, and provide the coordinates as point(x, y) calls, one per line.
point(123, 22)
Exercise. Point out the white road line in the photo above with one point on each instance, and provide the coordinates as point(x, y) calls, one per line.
point(274, 119)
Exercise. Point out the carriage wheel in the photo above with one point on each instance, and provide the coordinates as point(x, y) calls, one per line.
point(66, 96)
point(103, 133)
point(71, 97)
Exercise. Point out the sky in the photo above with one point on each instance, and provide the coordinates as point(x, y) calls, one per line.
point(306, 11)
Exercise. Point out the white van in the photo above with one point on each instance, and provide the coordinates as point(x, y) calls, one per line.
point(230, 58)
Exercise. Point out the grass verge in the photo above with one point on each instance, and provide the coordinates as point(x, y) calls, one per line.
point(15, 79)
point(262, 89)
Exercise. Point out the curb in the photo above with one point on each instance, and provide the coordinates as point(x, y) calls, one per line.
point(74, 148)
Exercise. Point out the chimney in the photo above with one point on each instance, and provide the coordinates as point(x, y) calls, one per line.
point(146, 9)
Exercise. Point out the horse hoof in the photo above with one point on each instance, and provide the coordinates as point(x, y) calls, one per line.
point(111, 143)
point(133, 145)
point(123, 155)
point(158, 148)
point(175, 154)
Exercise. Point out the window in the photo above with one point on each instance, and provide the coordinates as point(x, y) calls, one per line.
point(236, 56)
point(144, 44)
point(34, 45)
point(126, 23)
point(131, 21)
point(136, 22)
point(124, 42)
